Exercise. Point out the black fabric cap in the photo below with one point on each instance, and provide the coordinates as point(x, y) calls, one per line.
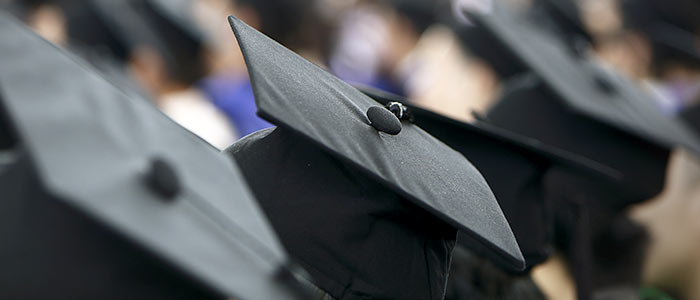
point(356, 238)
point(584, 206)
point(583, 85)
point(164, 27)
point(691, 117)
point(515, 168)
point(83, 210)
point(566, 19)
point(641, 162)
point(672, 27)
point(179, 13)
point(125, 23)
point(482, 44)
point(570, 101)
point(302, 98)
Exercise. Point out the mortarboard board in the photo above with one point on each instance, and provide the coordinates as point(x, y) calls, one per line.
point(105, 197)
point(89, 32)
point(515, 168)
point(121, 20)
point(565, 18)
point(162, 25)
point(179, 13)
point(585, 207)
point(571, 102)
point(584, 89)
point(367, 204)
point(671, 26)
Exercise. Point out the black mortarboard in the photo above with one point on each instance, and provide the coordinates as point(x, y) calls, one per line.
point(514, 167)
point(369, 205)
point(584, 92)
point(672, 27)
point(118, 20)
point(565, 18)
point(166, 26)
point(571, 102)
point(585, 209)
point(105, 197)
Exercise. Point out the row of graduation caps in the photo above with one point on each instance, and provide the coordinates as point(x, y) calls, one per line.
point(103, 196)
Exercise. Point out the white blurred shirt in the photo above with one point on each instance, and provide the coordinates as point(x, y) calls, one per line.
point(191, 109)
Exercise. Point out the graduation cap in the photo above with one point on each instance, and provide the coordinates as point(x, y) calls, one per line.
point(515, 168)
point(566, 99)
point(369, 205)
point(671, 26)
point(574, 89)
point(564, 18)
point(166, 26)
point(105, 197)
point(585, 209)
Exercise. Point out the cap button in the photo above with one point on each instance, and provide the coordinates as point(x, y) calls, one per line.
point(383, 120)
point(162, 179)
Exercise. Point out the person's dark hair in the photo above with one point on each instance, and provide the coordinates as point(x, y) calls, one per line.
point(282, 20)
point(475, 278)
point(618, 253)
point(87, 29)
point(296, 24)
point(672, 27)
point(8, 136)
point(184, 53)
point(23, 8)
point(421, 13)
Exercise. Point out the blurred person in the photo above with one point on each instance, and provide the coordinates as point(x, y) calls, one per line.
point(451, 82)
point(362, 37)
point(600, 250)
point(45, 17)
point(78, 27)
point(222, 54)
point(659, 42)
point(143, 47)
point(654, 41)
point(296, 24)
point(673, 262)
point(475, 278)
point(166, 56)
point(399, 63)
point(171, 70)
point(399, 47)
point(377, 41)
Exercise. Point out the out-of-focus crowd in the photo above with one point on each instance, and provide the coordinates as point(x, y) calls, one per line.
point(195, 72)
point(182, 55)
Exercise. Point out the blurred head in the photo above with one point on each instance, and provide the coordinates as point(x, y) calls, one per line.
point(475, 278)
point(668, 31)
point(406, 22)
point(673, 261)
point(46, 17)
point(175, 48)
point(297, 24)
point(159, 49)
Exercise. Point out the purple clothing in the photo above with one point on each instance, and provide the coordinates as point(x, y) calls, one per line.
point(233, 95)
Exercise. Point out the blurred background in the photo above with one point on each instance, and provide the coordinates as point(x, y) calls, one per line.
point(183, 56)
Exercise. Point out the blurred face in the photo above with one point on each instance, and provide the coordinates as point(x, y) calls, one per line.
point(673, 220)
point(49, 22)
